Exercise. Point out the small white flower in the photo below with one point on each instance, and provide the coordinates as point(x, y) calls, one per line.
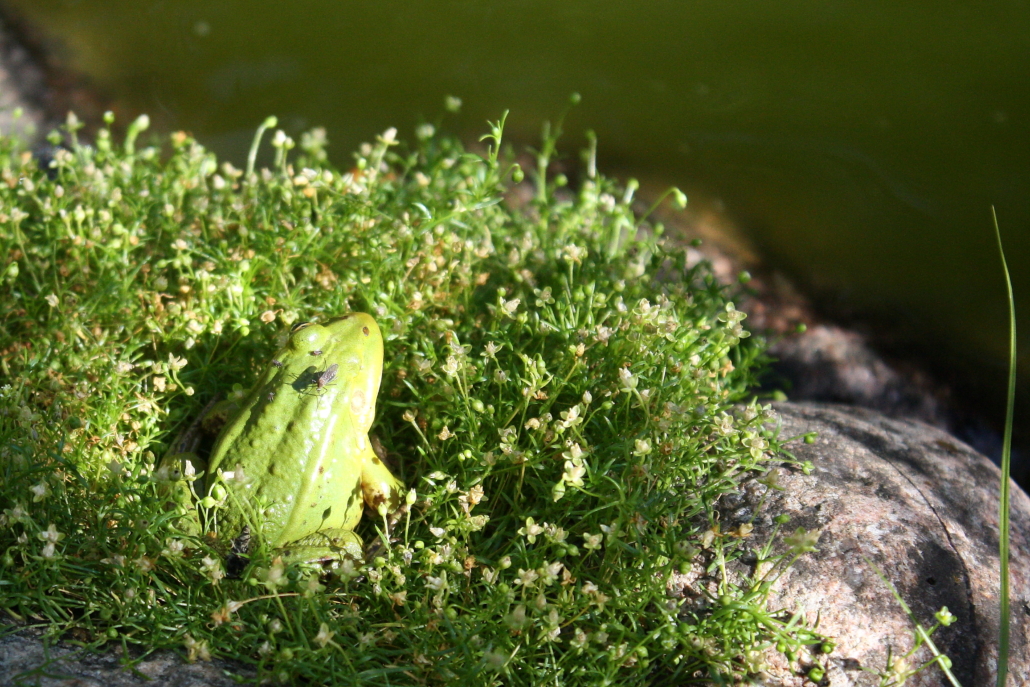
point(39, 491)
point(50, 534)
point(531, 530)
point(570, 417)
point(642, 447)
point(17, 514)
point(195, 649)
point(549, 572)
point(213, 568)
point(724, 424)
point(53, 300)
point(517, 619)
point(575, 451)
point(612, 531)
point(627, 379)
point(275, 575)
point(437, 584)
point(424, 131)
point(574, 472)
point(526, 577)
point(573, 253)
point(324, 635)
point(173, 547)
point(555, 533)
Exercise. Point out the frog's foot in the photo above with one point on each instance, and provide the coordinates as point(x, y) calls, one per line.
point(327, 545)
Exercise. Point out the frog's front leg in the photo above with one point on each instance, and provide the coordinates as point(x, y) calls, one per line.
point(378, 485)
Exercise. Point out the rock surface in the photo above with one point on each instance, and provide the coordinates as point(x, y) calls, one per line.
point(26, 660)
point(22, 86)
point(924, 508)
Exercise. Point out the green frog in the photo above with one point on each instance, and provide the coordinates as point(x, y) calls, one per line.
point(293, 458)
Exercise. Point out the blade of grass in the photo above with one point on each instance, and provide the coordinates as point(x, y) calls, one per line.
point(1006, 452)
point(940, 658)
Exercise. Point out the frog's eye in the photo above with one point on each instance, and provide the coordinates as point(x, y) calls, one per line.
point(297, 327)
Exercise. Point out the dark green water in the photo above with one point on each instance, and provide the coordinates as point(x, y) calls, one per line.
point(859, 143)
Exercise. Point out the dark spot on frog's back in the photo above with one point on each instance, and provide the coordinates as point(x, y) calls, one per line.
point(364, 330)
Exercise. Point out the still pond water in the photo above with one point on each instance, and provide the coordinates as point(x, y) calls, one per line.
point(859, 143)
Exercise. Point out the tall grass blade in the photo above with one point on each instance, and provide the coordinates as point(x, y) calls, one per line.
point(1006, 453)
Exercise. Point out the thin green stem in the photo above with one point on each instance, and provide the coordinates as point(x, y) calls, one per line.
point(1006, 456)
point(256, 143)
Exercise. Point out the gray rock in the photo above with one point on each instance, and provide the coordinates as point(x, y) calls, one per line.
point(25, 659)
point(832, 364)
point(22, 85)
point(924, 508)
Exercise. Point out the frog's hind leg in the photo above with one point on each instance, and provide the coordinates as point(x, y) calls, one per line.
point(325, 545)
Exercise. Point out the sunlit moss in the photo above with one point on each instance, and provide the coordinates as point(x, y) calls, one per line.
point(565, 397)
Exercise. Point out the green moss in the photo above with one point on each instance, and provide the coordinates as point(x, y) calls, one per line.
point(565, 394)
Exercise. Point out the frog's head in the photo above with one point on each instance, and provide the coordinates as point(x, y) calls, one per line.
point(348, 353)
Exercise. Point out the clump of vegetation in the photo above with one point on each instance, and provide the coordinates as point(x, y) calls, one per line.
point(565, 394)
